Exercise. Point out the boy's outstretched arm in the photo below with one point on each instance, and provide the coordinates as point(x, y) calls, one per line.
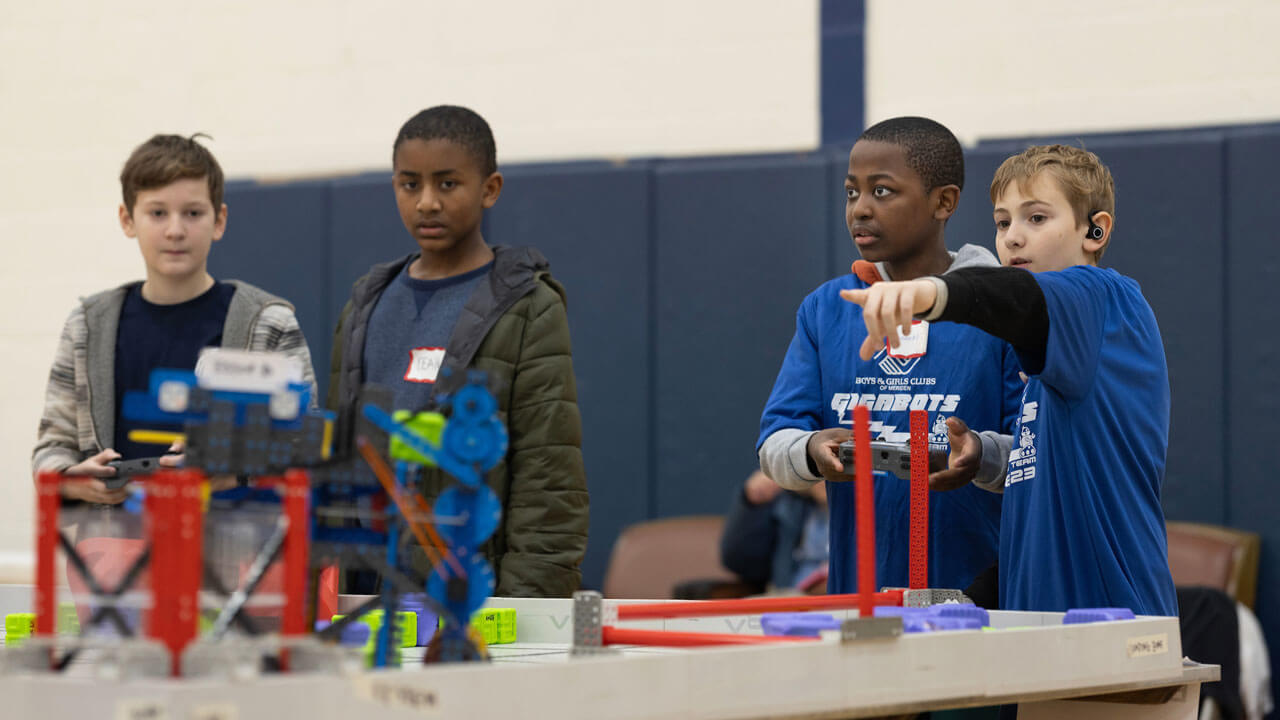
point(1005, 302)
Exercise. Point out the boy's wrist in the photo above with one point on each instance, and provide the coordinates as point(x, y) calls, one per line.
point(939, 301)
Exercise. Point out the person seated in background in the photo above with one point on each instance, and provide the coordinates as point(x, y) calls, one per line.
point(775, 538)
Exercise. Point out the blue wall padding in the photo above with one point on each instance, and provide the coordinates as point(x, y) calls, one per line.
point(740, 242)
point(592, 221)
point(365, 230)
point(840, 250)
point(277, 238)
point(1252, 354)
point(842, 76)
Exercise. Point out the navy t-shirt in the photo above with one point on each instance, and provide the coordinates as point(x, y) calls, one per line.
point(1083, 525)
point(409, 331)
point(154, 336)
point(964, 373)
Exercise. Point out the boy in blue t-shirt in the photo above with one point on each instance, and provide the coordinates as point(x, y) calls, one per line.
point(1082, 524)
point(903, 184)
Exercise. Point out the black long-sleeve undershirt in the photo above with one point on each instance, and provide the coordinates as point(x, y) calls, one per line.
point(1005, 302)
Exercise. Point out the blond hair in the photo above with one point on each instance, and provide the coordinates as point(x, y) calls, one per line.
point(1081, 176)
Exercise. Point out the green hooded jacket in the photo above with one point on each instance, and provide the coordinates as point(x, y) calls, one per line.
point(513, 327)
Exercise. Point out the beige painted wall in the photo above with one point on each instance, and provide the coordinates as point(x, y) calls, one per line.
point(1000, 68)
point(293, 89)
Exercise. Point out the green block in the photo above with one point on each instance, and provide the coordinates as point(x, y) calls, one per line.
point(68, 620)
point(487, 623)
point(373, 618)
point(498, 625)
point(18, 627)
point(427, 425)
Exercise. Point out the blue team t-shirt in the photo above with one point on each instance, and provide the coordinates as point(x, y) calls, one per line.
point(152, 336)
point(964, 372)
point(1083, 526)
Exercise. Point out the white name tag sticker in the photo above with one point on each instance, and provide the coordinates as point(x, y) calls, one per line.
point(246, 370)
point(424, 364)
point(913, 345)
point(1148, 645)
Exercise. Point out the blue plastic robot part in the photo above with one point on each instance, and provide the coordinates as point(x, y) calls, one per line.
point(472, 441)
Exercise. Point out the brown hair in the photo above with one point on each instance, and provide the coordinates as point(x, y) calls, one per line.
point(1080, 175)
point(166, 158)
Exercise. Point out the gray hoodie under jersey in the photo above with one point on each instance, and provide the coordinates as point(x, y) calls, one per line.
point(783, 455)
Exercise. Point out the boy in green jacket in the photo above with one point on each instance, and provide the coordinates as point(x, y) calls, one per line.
point(415, 325)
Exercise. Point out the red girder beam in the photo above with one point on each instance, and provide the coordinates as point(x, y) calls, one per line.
point(751, 606)
point(175, 518)
point(667, 638)
point(865, 499)
point(918, 572)
point(47, 506)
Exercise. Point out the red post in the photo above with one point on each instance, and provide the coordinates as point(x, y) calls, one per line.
point(297, 492)
point(865, 496)
point(47, 506)
point(175, 515)
point(919, 563)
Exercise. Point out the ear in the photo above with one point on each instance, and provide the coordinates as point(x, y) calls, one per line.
point(126, 222)
point(220, 223)
point(492, 189)
point(1106, 222)
point(945, 200)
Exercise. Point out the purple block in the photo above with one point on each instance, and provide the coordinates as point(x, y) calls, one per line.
point(966, 610)
point(933, 623)
point(1087, 615)
point(797, 624)
point(416, 603)
point(901, 611)
point(355, 634)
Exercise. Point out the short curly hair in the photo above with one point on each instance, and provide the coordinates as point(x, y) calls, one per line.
point(929, 147)
point(1081, 176)
point(166, 158)
point(456, 124)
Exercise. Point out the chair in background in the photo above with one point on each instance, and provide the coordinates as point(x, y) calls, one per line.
point(1217, 557)
point(650, 559)
point(1213, 568)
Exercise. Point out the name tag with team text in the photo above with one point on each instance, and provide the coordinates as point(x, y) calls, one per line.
point(424, 364)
